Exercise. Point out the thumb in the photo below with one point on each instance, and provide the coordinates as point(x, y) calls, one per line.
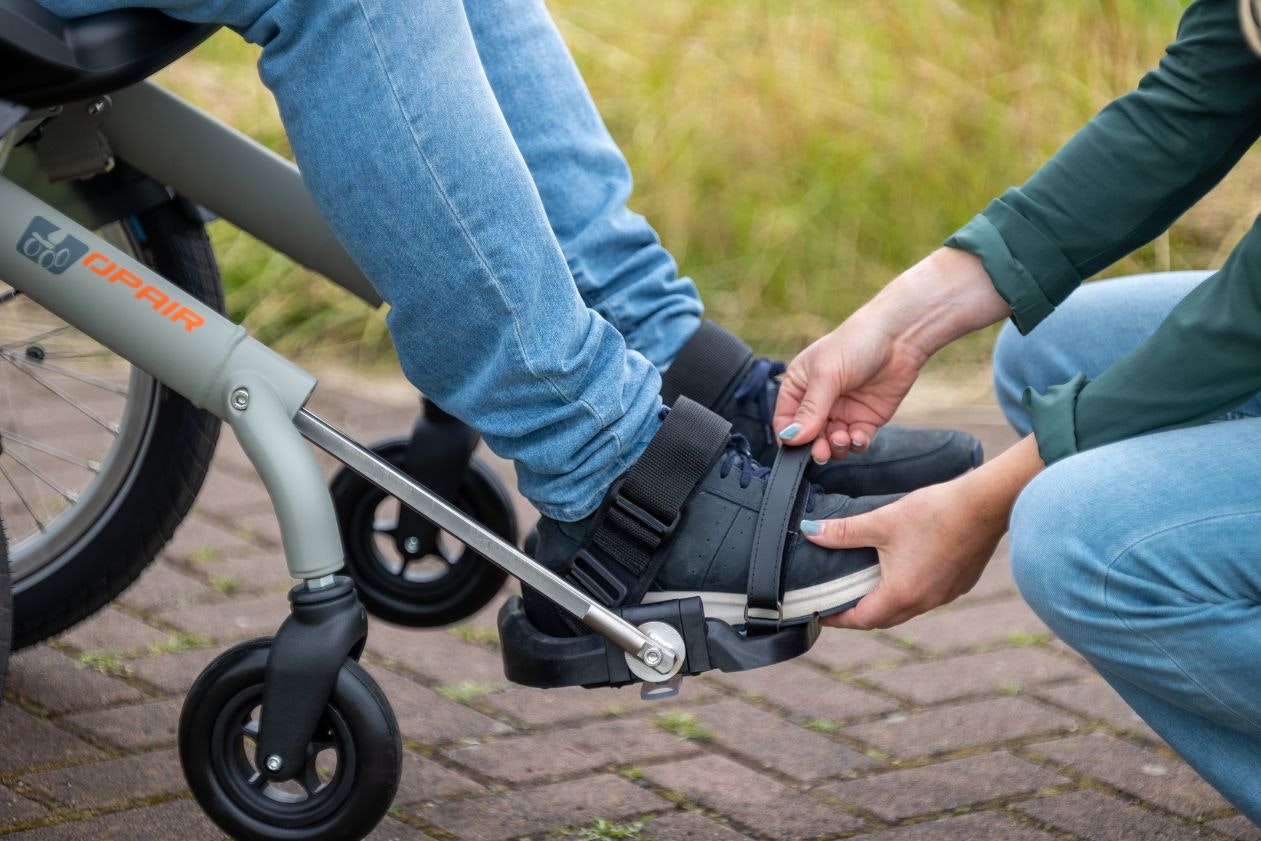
point(809, 411)
point(855, 532)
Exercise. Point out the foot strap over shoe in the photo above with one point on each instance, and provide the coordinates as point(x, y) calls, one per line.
point(620, 558)
point(775, 539)
point(708, 368)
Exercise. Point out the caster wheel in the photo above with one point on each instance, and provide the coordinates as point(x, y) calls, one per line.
point(353, 764)
point(420, 589)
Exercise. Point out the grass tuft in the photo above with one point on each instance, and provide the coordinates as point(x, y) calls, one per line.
point(683, 725)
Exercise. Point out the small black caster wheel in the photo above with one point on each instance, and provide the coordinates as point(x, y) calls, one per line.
point(353, 764)
point(420, 586)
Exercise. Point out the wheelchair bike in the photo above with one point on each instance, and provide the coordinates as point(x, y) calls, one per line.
point(114, 307)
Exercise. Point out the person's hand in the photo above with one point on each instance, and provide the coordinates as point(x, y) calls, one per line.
point(933, 543)
point(838, 391)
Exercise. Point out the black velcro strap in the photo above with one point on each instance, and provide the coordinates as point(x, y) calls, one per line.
point(707, 367)
point(620, 558)
point(774, 538)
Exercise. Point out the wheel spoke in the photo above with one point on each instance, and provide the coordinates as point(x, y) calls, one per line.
point(40, 524)
point(8, 436)
point(384, 526)
point(249, 729)
point(257, 780)
point(68, 496)
point(60, 392)
point(309, 779)
point(86, 379)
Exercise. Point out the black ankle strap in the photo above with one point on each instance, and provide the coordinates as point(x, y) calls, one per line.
point(707, 368)
point(775, 538)
point(620, 559)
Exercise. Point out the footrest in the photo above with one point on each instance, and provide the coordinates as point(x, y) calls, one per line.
point(534, 658)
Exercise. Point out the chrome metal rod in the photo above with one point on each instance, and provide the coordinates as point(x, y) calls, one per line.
point(482, 541)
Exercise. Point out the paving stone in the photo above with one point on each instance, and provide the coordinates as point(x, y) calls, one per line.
point(544, 707)
point(1096, 817)
point(689, 826)
point(1011, 670)
point(179, 820)
point(945, 785)
point(14, 808)
point(161, 587)
point(137, 727)
point(764, 805)
point(604, 744)
point(1239, 828)
point(438, 656)
point(262, 526)
point(429, 718)
point(394, 830)
point(112, 781)
point(251, 571)
point(234, 619)
point(55, 682)
point(845, 651)
point(424, 780)
point(983, 826)
point(27, 741)
point(1139, 771)
point(200, 538)
point(768, 741)
point(1097, 701)
point(513, 814)
point(113, 630)
point(963, 725)
point(225, 494)
point(806, 693)
point(174, 672)
point(965, 627)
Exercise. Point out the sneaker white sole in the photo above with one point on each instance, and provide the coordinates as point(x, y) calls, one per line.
point(798, 604)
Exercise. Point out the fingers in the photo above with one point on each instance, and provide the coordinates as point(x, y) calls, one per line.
point(802, 410)
point(848, 532)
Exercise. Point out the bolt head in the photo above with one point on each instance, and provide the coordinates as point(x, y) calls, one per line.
point(273, 763)
point(96, 107)
point(412, 545)
point(652, 657)
point(241, 399)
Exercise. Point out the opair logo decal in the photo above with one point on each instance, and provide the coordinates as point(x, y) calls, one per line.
point(54, 250)
point(169, 308)
point(49, 247)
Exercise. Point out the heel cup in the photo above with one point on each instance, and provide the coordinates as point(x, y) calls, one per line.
point(535, 658)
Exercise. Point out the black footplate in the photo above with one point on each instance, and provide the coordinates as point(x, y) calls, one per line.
point(534, 658)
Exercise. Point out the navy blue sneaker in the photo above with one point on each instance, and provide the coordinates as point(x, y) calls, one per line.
point(719, 371)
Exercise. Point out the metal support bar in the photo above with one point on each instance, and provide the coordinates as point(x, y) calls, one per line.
point(660, 658)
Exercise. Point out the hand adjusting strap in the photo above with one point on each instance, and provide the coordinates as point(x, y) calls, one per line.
point(708, 367)
point(620, 559)
point(775, 539)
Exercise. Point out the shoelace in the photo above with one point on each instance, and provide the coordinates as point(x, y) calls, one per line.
point(739, 454)
point(754, 384)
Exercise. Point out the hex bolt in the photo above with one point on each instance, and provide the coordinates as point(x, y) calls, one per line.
point(241, 399)
point(412, 545)
point(273, 763)
point(652, 657)
point(96, 107)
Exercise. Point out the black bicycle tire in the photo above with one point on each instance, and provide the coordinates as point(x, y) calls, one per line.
point(160, 490)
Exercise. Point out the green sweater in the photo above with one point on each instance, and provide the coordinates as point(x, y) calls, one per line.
point(1117, 184)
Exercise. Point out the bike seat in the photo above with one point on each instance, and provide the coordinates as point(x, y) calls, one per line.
point(47, 60)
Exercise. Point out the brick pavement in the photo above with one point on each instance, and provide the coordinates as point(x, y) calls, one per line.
point(969, 723)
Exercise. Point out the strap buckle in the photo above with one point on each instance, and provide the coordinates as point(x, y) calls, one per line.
point(597, 579)
point(763, 618)
point(635, 521)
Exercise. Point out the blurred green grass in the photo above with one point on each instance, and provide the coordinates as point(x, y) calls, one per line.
point(793, 154)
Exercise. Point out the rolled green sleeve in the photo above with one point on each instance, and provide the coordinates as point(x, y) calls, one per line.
point(1203, 361)
point(1129, 173)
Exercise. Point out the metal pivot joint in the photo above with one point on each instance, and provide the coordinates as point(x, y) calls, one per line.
point(324, 628)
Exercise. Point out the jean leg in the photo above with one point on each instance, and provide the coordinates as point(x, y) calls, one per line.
point(407, 154)
point(1143, 556)
point(617, 260)
point(1097, 325)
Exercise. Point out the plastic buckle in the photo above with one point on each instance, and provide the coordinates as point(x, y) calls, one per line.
point(624, 508)
point(762, 619)
point(605, 586)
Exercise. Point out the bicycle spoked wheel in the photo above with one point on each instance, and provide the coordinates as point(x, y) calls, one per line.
point(98, 461)
point(72, 417)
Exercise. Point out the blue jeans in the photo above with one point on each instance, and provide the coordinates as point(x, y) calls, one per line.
point(1145, 555)
point(454, 149)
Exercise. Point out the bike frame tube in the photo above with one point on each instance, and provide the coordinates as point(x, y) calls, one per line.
point(198, 353)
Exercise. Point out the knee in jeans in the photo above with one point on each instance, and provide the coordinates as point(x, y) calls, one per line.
point(1051, 558)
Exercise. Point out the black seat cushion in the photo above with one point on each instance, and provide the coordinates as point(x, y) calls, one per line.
point(48, 60)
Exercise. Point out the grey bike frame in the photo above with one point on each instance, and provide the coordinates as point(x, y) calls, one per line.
point(201, 355)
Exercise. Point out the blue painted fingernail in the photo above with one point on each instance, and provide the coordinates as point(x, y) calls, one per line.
point(811, 527)
point(789, 432)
